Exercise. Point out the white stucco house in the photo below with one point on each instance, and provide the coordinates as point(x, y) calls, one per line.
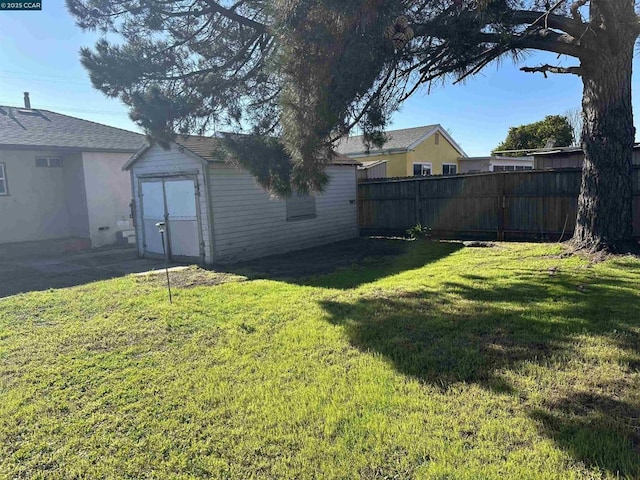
point(61, 178)
point(216, 213)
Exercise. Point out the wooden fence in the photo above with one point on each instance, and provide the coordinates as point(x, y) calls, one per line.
point(520, 205)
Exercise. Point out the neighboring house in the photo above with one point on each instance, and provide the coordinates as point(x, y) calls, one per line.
point(427, 150)
point(568, 157)
point(371, 170)
point(215, 213)
point(61, 178)
point(494, 164)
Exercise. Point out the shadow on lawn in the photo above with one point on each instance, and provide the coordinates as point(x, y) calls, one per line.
point(476, 330)
point(345, 265)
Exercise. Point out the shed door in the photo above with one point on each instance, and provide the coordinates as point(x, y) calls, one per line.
point(173, 201)
point(182, 218)
point(152, 213)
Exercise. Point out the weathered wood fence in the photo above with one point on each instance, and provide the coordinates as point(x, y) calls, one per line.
point(520, 205)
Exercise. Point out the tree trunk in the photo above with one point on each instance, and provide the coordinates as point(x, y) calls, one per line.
point(604, 219)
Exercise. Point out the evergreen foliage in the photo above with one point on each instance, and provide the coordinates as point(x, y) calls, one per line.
point(553, 131)
point(308, 71)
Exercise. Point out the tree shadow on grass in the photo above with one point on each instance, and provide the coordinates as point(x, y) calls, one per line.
point(475, 329)
point(598, 430)
point(345, 265)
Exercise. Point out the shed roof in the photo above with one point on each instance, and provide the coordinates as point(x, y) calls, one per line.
point(205, 147)
point(371, 164)
point(20, 127)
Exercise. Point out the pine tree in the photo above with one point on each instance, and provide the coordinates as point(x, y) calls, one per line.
point(307, 71)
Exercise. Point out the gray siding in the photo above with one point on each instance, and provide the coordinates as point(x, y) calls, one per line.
point(248, 223)
point(157, 161)
point(371, 172)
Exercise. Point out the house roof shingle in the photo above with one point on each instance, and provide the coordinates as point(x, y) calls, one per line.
point(20, 127)
point(205, 146)
point(397, 139)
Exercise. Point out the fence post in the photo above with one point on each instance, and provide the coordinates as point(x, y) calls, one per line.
point(501, 206)
point(416, 188)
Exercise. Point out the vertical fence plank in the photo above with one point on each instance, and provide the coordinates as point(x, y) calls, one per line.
point(505, 205)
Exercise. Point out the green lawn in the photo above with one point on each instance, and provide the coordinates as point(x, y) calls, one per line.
point(441, 362)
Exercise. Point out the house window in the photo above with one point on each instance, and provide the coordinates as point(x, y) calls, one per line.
point(503, 168)
point(48, 162)
point(301, 205)
point(3, 180)
point(437, 138)
point(421, 169)
point(524, 167)
point(449, 169)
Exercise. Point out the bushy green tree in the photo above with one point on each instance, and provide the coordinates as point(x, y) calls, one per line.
point(553, 131)
point(307, 71)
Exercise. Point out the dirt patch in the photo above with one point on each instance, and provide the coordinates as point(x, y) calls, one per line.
point(189, 277)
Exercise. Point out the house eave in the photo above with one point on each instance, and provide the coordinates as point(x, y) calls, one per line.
point(376, 153)
point(62, 148)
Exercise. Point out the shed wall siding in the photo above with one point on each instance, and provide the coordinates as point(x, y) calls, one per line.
point(157, 161)
point(248, 223)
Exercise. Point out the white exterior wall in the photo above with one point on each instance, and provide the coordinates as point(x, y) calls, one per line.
point(157, 161)
point(108, 191)
point(36, 206)
point(248, 223)
point(506, 162)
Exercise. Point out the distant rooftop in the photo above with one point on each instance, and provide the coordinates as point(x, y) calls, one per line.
point(397, 139)
point(27, 127)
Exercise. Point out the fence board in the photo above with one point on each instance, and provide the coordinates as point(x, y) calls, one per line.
point(516, 205)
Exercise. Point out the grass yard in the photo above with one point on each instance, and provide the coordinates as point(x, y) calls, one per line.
point(439, 362)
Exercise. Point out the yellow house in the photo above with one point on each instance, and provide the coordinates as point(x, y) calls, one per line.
point(427, 150)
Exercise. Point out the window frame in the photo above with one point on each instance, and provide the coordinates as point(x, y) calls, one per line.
point(48, 160)
point(454, 165)
point(422, 165)
point(3, 179)
point(305, 216)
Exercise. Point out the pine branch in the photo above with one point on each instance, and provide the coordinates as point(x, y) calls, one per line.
point(231, 14)
point(544, 69)
point(574, 27)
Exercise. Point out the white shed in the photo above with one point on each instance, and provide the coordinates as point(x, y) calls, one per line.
point(216, 213)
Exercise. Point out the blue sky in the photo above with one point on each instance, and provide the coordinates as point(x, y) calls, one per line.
point(39, 54)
